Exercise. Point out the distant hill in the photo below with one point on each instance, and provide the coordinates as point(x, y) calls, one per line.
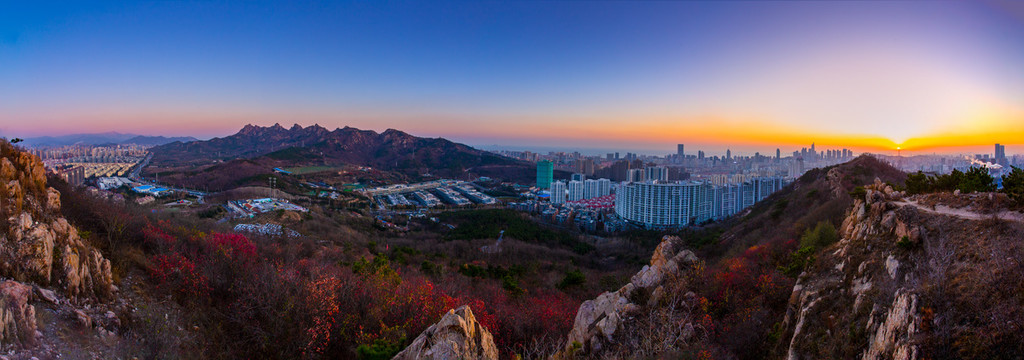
point(821, 194)
point(390, 151)
point(157, 140)
point(103, 139)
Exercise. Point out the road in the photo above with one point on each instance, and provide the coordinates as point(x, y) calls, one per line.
point(134, 175)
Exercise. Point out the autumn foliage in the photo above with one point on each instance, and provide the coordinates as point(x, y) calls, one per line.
point(270, 304)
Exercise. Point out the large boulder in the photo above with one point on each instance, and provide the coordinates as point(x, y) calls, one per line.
point(598, 320)
point(456, 336)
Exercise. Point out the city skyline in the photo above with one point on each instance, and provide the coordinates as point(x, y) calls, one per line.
point(926, 77)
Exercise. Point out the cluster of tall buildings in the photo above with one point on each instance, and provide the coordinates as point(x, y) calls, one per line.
point(659, 204)
point(579, 188)
point(679, 189)
point(88, 153)
point(812, 154)
point(1000, 155)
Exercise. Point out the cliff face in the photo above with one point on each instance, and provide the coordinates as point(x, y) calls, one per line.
point(855, 299)
point(37, 245)
point(907, 282)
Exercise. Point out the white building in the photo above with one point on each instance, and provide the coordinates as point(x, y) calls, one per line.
point(656, 173)
point(661, 205)
point(604, 187)
point(576, 191)
point(591, 189)
point(558, 192)
point(654, 204)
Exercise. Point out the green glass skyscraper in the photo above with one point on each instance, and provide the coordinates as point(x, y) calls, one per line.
point(545, 173)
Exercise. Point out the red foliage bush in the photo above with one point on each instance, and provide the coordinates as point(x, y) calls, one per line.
point(233, 246)
point(180, 275)
point(323, 310)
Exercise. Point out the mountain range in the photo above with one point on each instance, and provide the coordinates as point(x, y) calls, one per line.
point(259, 149)
point(106, 138)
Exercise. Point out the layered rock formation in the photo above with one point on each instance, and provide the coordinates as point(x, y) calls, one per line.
point(38, 245)
point(17, 317)
point(52, 254)
point(598, 320)
point(866, 275)
point(457, 335)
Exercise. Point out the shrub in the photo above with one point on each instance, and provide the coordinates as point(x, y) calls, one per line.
point(511, 285)
point(1013, 186)
point(977, 179)
point(859, 193)
point(918, 183)
point(905, 243)
point(572, 278)
point(821, 236)
point(430, 268)
point(180, 275)
point(798, 261)
point(380, 349)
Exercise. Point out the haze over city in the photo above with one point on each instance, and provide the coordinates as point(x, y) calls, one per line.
point(923, 76)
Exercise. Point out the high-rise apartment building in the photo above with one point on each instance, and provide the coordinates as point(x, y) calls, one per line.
point(661, 205)
point(591, 189)
point(576, 190)
point(656, 173)
point(545, 173)
point(604, 187)
point(558, 192)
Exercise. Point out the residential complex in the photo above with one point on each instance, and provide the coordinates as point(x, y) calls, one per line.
point(659, 204)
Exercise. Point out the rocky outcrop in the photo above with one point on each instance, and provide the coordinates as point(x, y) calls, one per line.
point(17, 317)
point(892, 339)
point(869, 237)
point(598, 320)
point(39, 245)
point(52, 254)
point(457, 335)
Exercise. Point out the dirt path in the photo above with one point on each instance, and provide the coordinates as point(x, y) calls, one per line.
point(962, 213)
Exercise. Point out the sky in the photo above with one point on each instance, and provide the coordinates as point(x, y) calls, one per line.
point(938, 76)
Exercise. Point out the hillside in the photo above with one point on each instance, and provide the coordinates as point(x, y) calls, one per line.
point(822, 194)
point(846, 272)
point(391, 150)
point(912, 281)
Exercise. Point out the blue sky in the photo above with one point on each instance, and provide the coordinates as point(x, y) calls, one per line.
point(631, 75)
